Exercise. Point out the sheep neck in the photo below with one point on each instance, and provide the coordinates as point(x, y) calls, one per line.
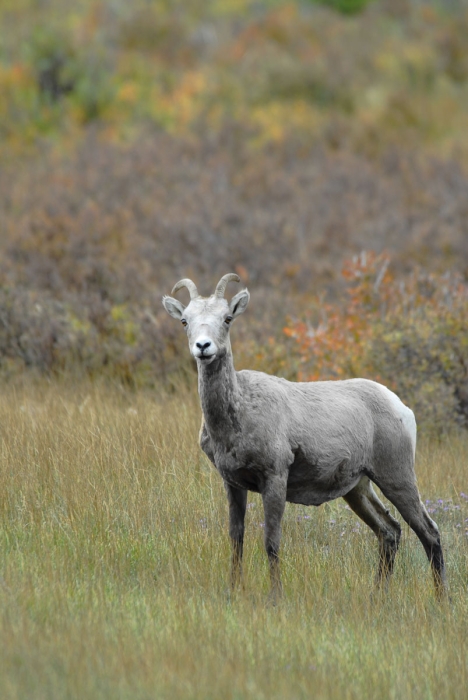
point(219, 396)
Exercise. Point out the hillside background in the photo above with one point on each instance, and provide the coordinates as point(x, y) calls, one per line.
point(319, 149)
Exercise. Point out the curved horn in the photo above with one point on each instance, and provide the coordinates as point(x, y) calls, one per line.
point(190, 286)
point(223, 282)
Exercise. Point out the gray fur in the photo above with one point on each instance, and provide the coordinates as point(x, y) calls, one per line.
point(303, 442)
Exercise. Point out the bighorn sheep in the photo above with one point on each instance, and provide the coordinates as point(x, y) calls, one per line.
point(304, 442)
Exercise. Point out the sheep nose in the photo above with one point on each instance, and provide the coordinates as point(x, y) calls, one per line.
point(203, 345)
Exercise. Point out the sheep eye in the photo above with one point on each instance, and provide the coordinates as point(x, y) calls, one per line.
point(228, 320)
point(183, 322)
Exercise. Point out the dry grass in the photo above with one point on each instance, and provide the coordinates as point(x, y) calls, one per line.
point(114, 563)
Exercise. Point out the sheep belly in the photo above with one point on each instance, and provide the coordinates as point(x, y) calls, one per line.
point(313, 496)
point(312, 484)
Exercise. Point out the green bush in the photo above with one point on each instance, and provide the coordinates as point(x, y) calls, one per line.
point(346, 7)
point(53, 61)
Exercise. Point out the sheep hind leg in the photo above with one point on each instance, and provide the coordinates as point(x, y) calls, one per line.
point(364, 502)
point(407, 501)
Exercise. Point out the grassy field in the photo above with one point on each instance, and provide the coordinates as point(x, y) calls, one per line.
point(115, 556)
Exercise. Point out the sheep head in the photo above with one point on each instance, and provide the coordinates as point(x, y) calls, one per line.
point(207, 320)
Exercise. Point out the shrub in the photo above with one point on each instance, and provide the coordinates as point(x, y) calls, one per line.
point(96, 235)
point(53, 61)
point(346, 7)
point(407, 333)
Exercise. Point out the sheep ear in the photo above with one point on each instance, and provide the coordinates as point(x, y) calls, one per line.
point(173, 307)
point(238, 304)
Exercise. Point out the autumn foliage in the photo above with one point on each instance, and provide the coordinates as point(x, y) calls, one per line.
point(409, 333)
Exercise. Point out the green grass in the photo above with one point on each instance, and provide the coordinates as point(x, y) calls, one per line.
point(115, 557)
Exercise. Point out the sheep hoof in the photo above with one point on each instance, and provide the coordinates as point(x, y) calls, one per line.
point(274, 599)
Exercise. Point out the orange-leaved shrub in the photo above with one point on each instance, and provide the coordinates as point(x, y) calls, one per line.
point(408, 333)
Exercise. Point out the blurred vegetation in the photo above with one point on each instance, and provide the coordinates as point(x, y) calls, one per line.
point(347, 7)
point(278, 69)
point(410, 335)
point(147, 141)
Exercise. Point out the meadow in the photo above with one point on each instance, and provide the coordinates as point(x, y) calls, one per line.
point(115, 563)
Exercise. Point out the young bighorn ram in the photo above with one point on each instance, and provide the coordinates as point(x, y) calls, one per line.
point(304, 442)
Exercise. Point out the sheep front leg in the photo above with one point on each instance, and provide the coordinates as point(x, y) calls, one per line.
point(274, 502)
point(237, 499)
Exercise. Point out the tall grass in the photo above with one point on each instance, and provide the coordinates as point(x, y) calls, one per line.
point(114, 567)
